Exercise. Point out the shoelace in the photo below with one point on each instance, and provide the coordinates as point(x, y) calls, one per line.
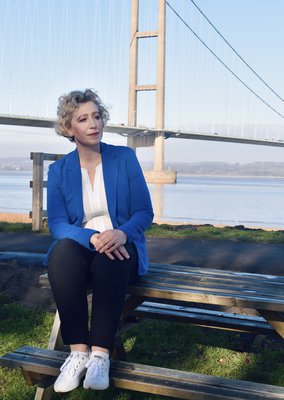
point(96, 363)
point(71, 358)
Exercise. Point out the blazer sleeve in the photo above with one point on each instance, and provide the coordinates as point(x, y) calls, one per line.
point(59, 221)
point(141, 211)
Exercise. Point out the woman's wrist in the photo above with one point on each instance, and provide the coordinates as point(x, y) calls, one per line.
point(123, 234)
point(93, 240)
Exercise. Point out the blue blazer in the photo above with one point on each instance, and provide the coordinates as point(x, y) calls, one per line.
point(128, 199)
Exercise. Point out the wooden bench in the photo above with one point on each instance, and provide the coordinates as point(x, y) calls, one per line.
point(193, 315)
point(165, 286)
point(42, 363)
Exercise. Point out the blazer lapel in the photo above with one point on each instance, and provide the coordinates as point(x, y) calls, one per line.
point(110, 171)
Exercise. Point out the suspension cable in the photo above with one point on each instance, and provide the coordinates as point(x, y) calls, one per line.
point(235, 51)
point(222, 62)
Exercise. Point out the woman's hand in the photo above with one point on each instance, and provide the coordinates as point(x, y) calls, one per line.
point(111, 242)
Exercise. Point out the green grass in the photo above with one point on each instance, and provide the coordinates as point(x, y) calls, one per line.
point(18, 326)
point(15, 227)
point(201, 232)
point(209, 232)
point(199, 350)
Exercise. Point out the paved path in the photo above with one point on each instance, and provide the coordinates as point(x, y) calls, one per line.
point(238, 256)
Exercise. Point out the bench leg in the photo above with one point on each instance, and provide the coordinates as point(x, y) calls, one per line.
point(44, 394)
point(55, 343)
point(275, 319)
point(55, 339)
point(130, 304)
point(118, 352)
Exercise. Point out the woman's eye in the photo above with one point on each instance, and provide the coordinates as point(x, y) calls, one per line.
point(83, 119)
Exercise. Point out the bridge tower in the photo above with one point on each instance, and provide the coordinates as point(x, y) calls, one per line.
point(159, 174)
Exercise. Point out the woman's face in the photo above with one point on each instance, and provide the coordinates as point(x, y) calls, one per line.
point(86, 125)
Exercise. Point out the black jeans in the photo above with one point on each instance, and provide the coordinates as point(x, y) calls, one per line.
point(72, 269)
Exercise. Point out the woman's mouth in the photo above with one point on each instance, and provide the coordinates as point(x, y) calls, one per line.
point(93, 134)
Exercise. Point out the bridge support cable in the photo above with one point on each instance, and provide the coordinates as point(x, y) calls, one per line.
point(235, 51)
point(224, 64)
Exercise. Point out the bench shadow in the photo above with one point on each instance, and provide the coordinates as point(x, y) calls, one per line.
point(221, 353)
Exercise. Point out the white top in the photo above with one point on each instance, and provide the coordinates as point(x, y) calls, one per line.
point(96, 215)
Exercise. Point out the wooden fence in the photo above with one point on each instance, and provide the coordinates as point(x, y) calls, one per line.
point(38, 184)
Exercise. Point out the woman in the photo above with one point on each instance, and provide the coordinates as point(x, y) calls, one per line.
point(98, 207)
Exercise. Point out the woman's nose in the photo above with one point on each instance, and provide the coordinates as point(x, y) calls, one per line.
point(92, 121)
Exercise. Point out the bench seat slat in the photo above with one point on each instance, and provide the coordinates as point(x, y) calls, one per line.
point(40, 365)
point(270, 291)
point(208, 286)
point(190, 293)
point(209, 385)
point(215, 272)
point(150, 379)
point(183, 270)
point(247, 299)
point(228, 284)
point(198, 296)
point(167, 269)
point(42, 352)
point(215, 281)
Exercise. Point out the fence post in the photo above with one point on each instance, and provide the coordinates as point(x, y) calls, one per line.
point(37, 185)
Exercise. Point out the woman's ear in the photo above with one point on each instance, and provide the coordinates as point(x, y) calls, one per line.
point(69, 132)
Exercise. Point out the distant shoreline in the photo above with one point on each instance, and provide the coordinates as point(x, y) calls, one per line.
point(257, 169)
point(230, 176)
point(187, 174)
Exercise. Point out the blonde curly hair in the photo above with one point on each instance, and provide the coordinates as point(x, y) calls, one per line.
point(68, 103)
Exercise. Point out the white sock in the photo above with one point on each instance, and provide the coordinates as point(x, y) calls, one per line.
point(83, 353)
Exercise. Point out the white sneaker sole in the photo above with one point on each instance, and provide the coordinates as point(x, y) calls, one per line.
point(87, 385)
point(66, 389)
point(70, 387)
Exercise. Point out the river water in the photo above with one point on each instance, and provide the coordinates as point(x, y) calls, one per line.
point(193, 199)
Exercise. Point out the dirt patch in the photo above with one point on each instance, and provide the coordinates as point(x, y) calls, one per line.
point(19, 282)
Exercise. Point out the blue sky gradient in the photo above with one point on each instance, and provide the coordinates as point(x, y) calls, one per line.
point(49, 48)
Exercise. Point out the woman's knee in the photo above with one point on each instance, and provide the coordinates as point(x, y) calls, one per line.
point(68, 248)
point(65, 244)
point(67, 253)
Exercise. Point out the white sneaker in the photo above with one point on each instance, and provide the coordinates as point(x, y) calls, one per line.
point(97, 376)
point(72, 371)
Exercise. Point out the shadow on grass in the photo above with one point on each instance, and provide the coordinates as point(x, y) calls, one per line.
point(266, 364)
point(207, 351)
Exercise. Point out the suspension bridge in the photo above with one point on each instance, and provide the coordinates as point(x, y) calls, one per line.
point(149, 57)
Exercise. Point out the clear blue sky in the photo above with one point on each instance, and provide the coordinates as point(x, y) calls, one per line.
point(50, 47)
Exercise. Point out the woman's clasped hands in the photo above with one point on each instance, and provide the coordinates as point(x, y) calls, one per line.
point(111, 242)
